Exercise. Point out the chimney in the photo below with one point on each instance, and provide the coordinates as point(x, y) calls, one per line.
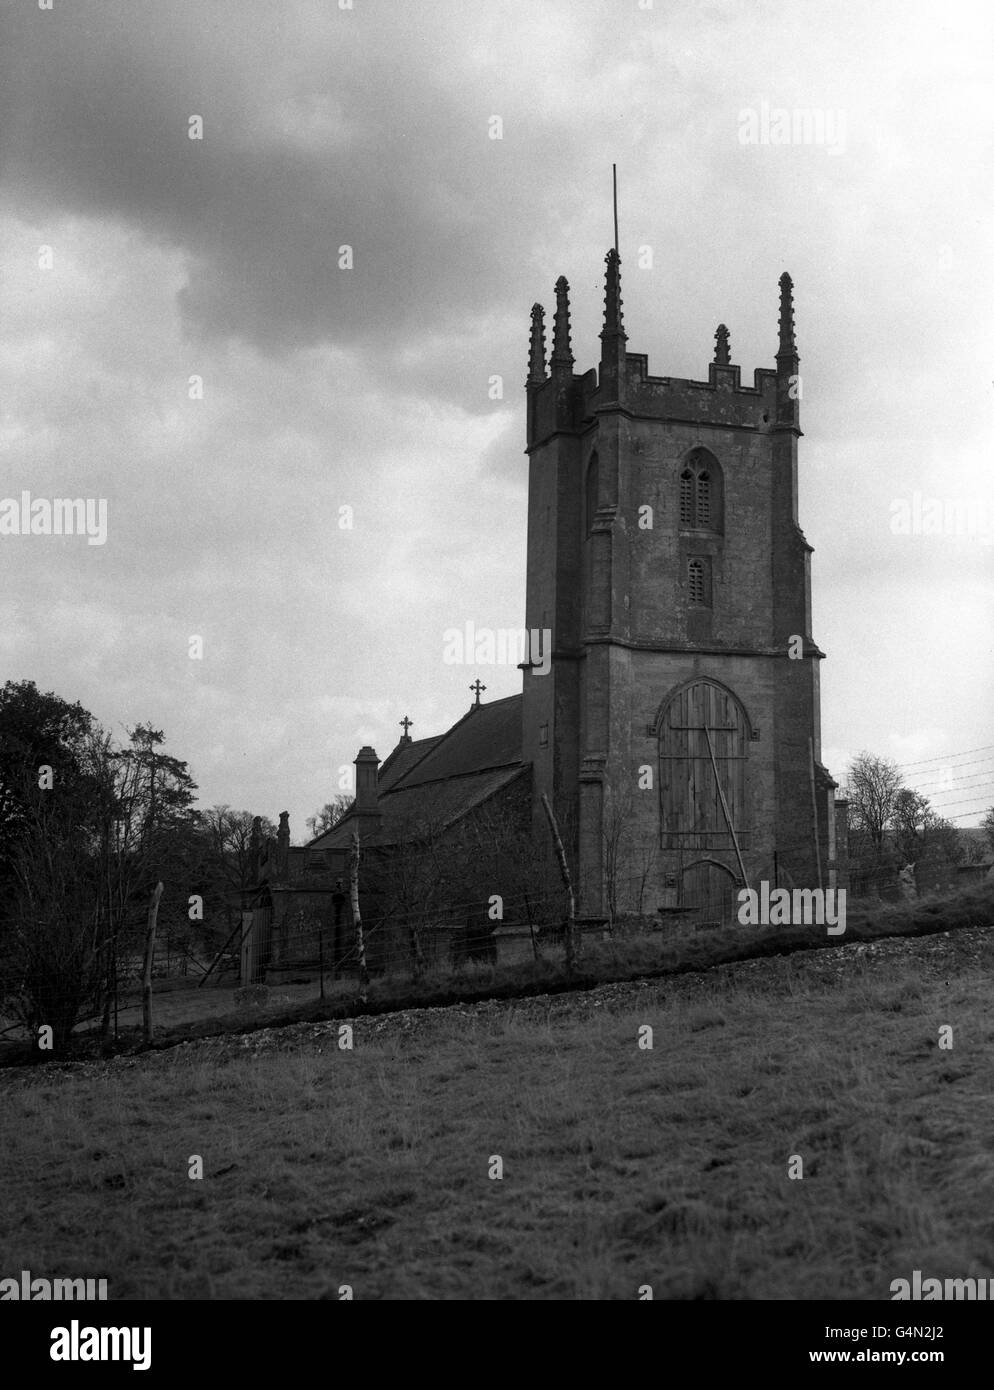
point(283, 844)
point(367, 807)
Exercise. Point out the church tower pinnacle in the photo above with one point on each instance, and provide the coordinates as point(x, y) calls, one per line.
point(562, 353)
point(536, 348)
point(788, 379)
point(613, 336)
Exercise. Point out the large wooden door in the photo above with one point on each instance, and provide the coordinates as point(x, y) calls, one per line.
point(690, 805)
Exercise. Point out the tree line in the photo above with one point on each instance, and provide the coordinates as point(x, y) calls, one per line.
point(891, 826)
point(89, 825)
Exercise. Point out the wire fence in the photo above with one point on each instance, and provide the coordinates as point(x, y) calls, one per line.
point(308, 953)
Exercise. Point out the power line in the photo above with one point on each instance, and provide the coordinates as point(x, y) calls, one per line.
point(946, 756)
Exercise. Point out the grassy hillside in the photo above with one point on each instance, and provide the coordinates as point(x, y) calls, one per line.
point(621, 1166)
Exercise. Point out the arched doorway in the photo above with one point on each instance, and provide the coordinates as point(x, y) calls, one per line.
point(709, 893)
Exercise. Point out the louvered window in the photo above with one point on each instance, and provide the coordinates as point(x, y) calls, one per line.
point(704, 499)
point(702, 493)
point(699, 581)
point(686, 498)
point(696, 581)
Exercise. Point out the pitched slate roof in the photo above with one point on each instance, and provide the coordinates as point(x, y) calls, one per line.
point(441, 779)
point(403, 758)
point(488, 736)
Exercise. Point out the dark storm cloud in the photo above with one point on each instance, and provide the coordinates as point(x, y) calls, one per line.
point(311, 141)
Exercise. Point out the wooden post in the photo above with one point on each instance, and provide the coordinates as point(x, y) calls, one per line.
point(321, 954)
point(220, 953)
point(360, 942)
point(564, 870)
point(724, 805)
point(531, 926)
point(814, 804)
point(247, 947)
point(153, 914)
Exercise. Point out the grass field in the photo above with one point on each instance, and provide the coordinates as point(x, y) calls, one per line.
point(621, 1167)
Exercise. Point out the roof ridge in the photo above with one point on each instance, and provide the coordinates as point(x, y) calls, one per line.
point(410, 743)
point(439, 740)
point(406, 786)
point(432, 739)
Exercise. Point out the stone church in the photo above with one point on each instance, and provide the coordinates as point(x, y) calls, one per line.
point(677, 729)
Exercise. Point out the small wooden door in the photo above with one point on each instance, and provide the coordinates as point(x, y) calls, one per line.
point(710, 892)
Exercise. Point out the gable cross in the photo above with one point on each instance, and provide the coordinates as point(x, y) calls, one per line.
point(478, 688)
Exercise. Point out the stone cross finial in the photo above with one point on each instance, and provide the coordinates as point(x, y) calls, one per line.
point(479, 688)
point(405, 724)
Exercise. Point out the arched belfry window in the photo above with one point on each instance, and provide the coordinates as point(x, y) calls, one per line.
point(703, 731)
point(701, 493)
point(593, 482)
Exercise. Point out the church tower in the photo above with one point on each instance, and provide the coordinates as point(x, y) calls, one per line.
point(677, 729)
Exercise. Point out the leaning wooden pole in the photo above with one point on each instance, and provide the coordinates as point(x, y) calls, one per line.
point(724, 806)
point(153, 917)
point(360, 940)
point(814, 805)
point(570, 900)
point(239, 928)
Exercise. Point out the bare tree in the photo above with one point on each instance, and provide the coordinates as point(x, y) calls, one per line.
point(83, 864)
point(987, 826)
point(922, 836)
point(329, 815)
point(873, 785)
point(975, 847)
point(229, 851)
point(58, 935)
point(630, 857)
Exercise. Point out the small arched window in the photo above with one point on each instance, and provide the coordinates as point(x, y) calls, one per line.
point(699, 581)
point(701, 493)
point(696, 581)
point(593, 483)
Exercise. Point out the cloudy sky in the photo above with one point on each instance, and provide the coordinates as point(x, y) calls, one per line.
point(323, 388)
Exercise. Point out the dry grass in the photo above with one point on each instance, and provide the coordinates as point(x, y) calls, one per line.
point(621, 1167)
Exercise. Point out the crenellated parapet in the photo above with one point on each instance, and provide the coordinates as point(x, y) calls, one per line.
point(567, 402)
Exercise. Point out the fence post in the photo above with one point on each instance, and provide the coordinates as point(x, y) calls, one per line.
point(570, 900)
point(360, 943)
point(153, 913)
point(321, 954)
point(814, 805)
point(531, 926)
